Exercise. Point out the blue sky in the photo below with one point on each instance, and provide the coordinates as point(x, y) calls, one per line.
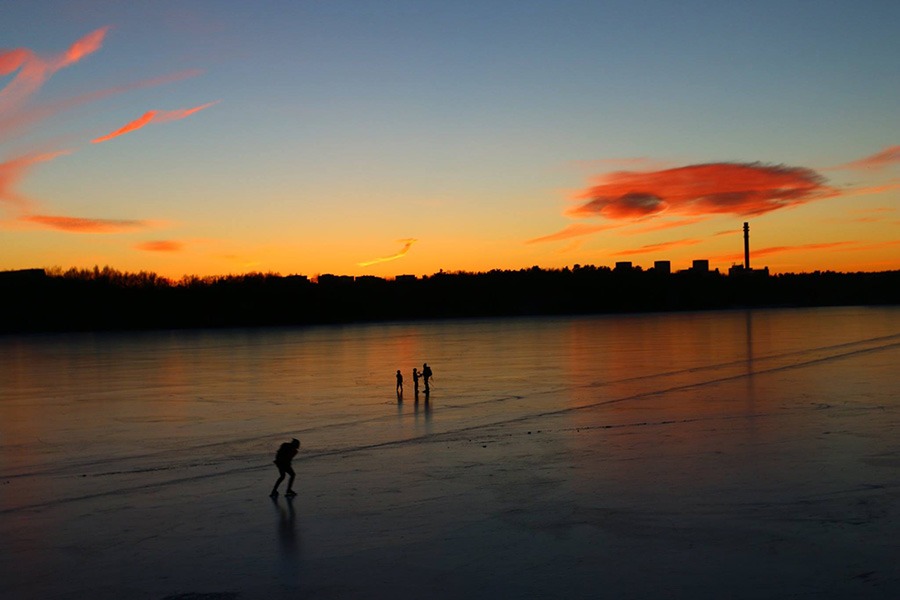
point(346, 126)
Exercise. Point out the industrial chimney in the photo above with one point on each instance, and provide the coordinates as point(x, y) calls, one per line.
point(747, 246)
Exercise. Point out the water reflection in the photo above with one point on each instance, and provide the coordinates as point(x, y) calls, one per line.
point(287, 527)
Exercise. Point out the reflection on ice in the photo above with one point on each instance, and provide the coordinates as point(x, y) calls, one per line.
point(650, 455)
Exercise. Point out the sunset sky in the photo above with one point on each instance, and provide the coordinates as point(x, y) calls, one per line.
point(390, 137)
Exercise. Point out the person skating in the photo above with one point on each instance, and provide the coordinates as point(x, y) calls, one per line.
point(426, 375)
point(286, 453)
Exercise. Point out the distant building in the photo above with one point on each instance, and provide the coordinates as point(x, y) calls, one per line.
point(23, 274)
point(662, 266)
point(624, 265)
point(744, 270)
point(297, 278)
point(405, 278)
point(700, 265)
point(741, 271)
point(369, 279)
point(329, 279)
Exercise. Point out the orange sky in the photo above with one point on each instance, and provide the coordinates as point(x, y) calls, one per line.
point(218, 150)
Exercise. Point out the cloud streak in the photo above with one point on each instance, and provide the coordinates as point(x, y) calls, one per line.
point(82, 225)
point(153, 116)
point(12, 171)
point(160, 246)
point(407, 244)
point(570, 231)
point(658, 247)
point(34, 71)
point(705, 189)
point(880, 160)
point(24, 118)
point(758, 252)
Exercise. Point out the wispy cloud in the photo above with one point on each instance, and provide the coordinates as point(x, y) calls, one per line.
point(12, 59)
point(407, 244)
point(12, 171)
point(665, 225)
point(887, 156)
point(875, 246)
point(160, 246)
point(758, 252)
point(22, 119)
point(153, 116)
point(573, 230)
point(658, 247)
point(704, 189)
point(876, 210)
point(34, 70)
point(82, 225)
point(30, 71)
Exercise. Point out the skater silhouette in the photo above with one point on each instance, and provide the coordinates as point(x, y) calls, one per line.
point(399, 383)
point(286, 453)
point(416, 380)
point(426, 375)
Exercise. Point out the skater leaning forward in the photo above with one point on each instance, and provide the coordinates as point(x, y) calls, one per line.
point(286, 453)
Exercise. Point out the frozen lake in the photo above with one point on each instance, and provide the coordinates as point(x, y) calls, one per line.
point(702, 455)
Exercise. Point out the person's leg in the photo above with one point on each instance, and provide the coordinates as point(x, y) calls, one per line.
point(278, 482)
point(290, 488)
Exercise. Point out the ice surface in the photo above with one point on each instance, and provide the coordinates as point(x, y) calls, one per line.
point(713, 455)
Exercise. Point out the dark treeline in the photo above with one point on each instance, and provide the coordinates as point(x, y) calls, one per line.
point(102, 299)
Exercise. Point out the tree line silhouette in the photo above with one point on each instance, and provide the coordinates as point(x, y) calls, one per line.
point(103, 299)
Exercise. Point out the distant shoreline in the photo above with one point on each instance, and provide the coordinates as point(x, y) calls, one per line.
point(107, 299)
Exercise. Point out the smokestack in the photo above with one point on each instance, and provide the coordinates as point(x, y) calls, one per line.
point(747, 246)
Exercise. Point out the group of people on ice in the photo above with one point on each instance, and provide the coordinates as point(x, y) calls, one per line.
point(425, 375)
point(288, 450)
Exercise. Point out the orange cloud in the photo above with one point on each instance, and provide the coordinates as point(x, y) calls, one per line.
point(407, 244)
point(881, 209)
point(666, 225)
point(11, 60)
point(713, 188)
point(572, 230)
point(80, 225)
point(872, 189)
point(24, 118)
point(782, 249)
point(33, 70)
point(888, 156)
point(160, 246)
point(657, 247)
point(875, 246)
point(86, 45)
point(12, 171)
point(136, 124)
point(153, 116)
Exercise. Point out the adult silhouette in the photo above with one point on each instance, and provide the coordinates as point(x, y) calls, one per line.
point(426, 375)
point(286, 453)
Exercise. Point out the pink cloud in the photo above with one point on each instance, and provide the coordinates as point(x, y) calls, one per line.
point(160, 246)
point(881, 209)
point(875, 162)
point(33, 70)
point(407, 244)
point(665, 225)
point(705, 189)
point(570, 231)
point(81, 225)
point(11, 60)
point(12, 171)
point(153, 116)
point(782, 249)
point(658, 247)
point(24, 118)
